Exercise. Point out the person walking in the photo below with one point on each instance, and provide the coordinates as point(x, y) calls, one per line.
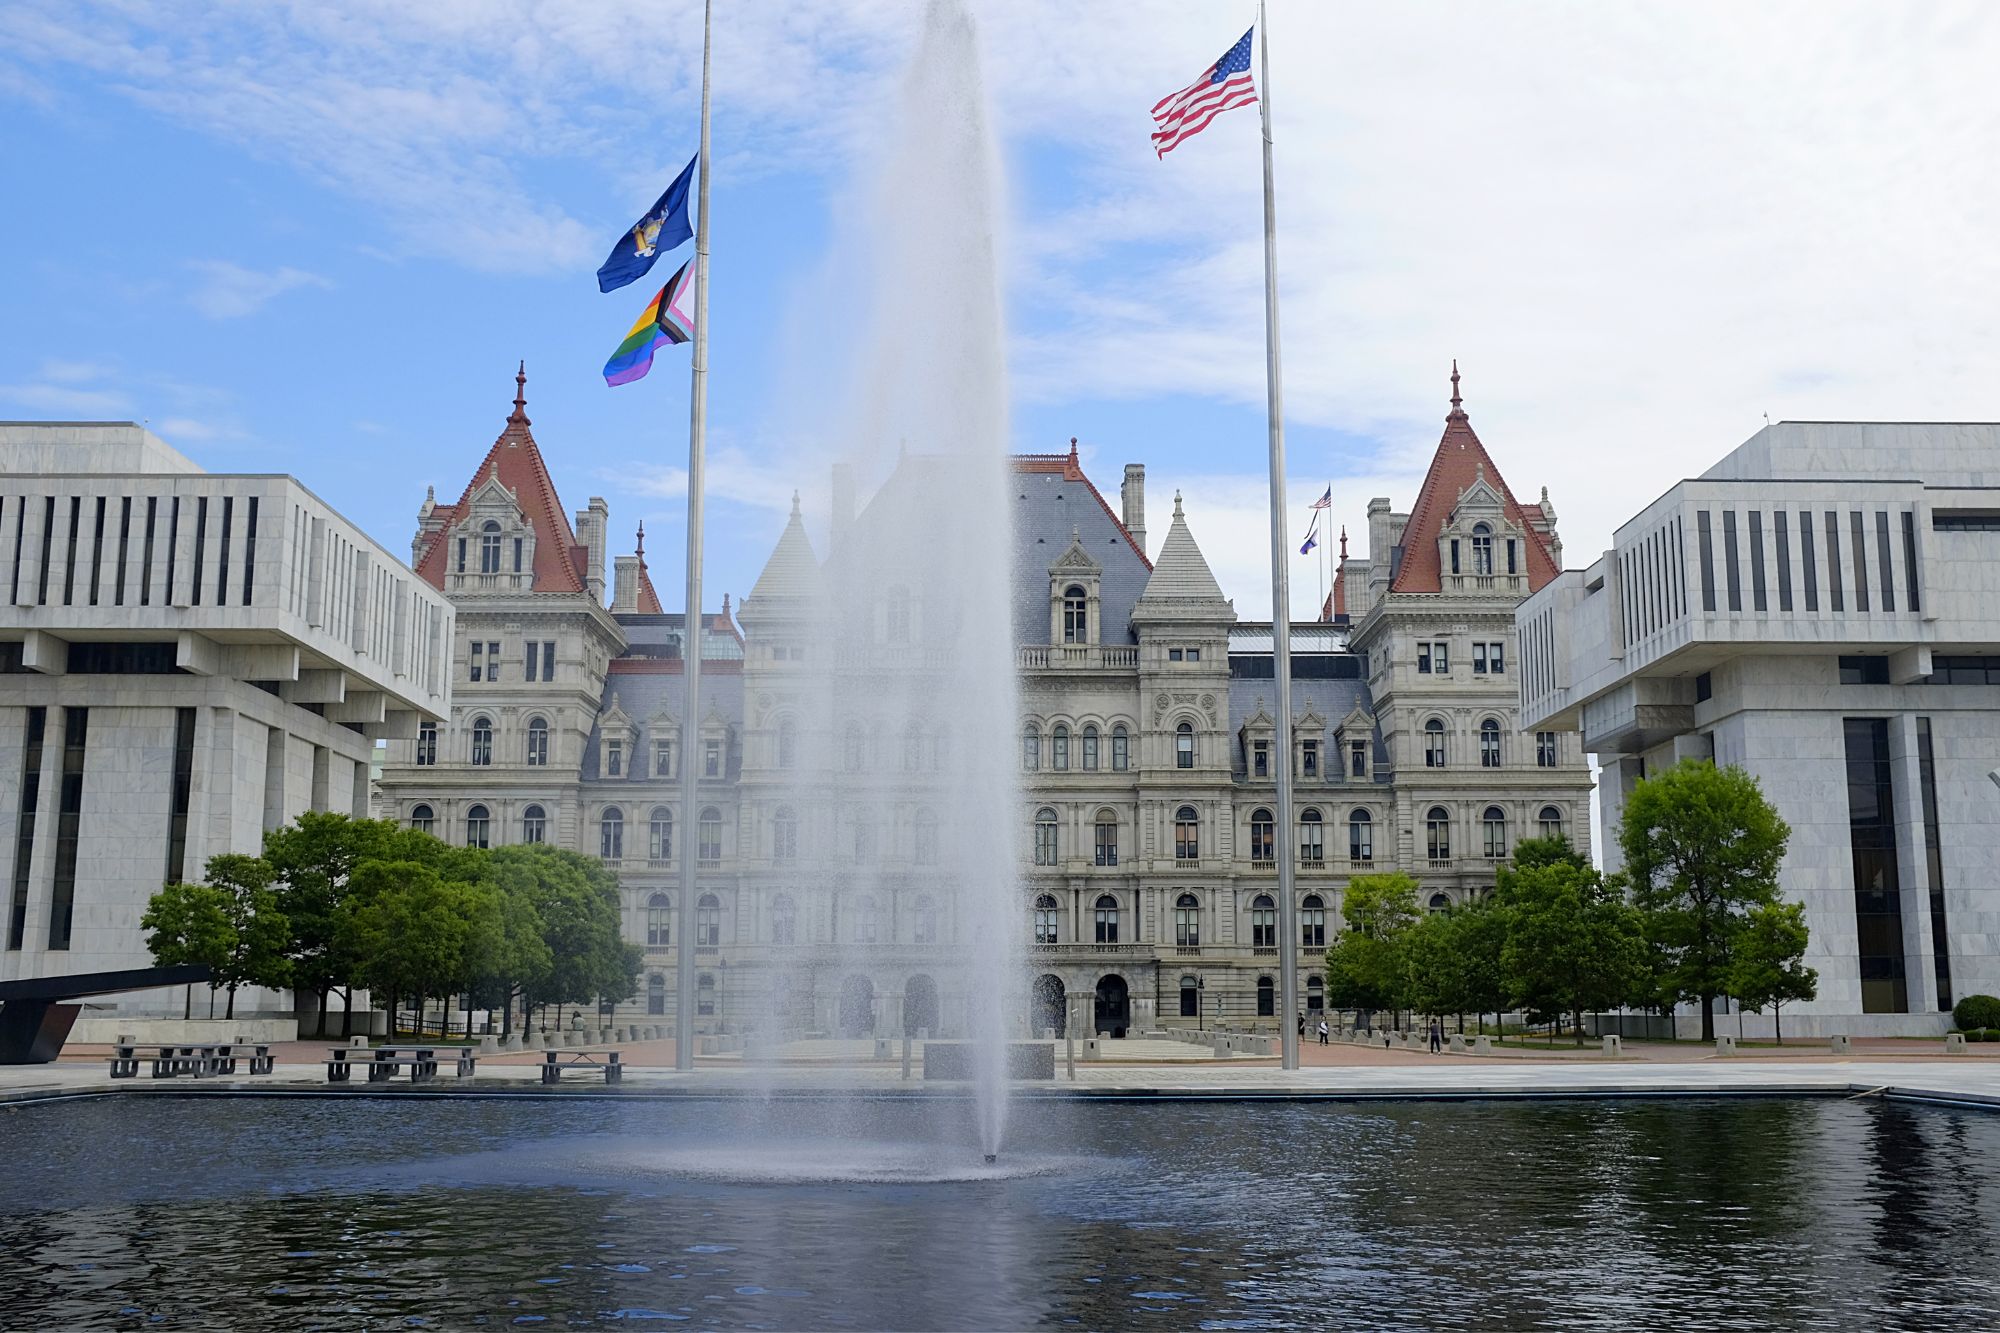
point(1437, 1036)
point(1322, 1032)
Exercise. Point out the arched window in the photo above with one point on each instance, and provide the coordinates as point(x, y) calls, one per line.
point(1315, 995)
point(1267, 998)
point(1187, 922)
point(1190, 996)
point(867, 920)
point(534, 825)
point(927, 919)
point(1184, 745)
point(1107, 919)
point(1076, 616)
point(538, 742)
point(1434, 744)
point(611, 834)
point(1440, 903)
point(1489, 743)
point(854, 748)
point(1045, 837)
point(788, 744)
point(785, 834)
point(1312, 838)
point(913, 747)
point(1059, 748)
point(659, 921)
point(1482, 549)
point(482, 739)
point(1550, 822)
point(660, 836)
point(1493, 830)
point(1187, 834)
point(422, 818)
point(784, 919)
point(1263, 836)
point(1263, 922)
point(478, 824)
point(704, 994)
point(898, 622)
point(1312, 922)
point(709, 846)
point(427, 743)
point(1107, 837)
point(927, 838)
point(1360, 837)
point(1031, 748)
point(656, 995)
point(1437, 830)
point(1090, 749)
point(489, 547)
point(864, 838)
point(708, 921)
point(1047, 926)
point(1121, 749)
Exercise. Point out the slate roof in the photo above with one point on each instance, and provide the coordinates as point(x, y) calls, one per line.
point(560, 562)
point(792, 572)
point(1053, 500)
point(1182, 575)
point(643, 694)
point(1460, 461)
point(1333, 700)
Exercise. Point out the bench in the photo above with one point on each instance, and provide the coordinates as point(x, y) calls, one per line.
point(383, 1062)
point(196, 1059)
point(587, 1057)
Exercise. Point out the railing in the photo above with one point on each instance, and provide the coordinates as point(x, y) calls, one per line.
point(1187, 951)
point(1125, 949)
point(1187, 863)
point(1312, 863)
point(1441, 863)
point(1263, 862)
point(1076, 656)
point(1264, 951)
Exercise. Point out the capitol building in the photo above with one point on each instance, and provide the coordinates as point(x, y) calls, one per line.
point(1147, 750)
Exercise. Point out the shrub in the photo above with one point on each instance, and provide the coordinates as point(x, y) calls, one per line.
point(1977, 1011)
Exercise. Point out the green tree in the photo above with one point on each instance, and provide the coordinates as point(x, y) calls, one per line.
point(505, 963)
point(259, 932)
point(1573, 943)
point(409, 928)
point(1364, 968)
point(1769, 966)
point(1479, 932)
point(188, 925)
point(1532, 852)
point(1434, 972)
point(576, 899)
point(314, 859)
point(1703, 848)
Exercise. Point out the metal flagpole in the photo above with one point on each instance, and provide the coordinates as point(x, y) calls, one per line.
point(691, 618)
point(1281, 598)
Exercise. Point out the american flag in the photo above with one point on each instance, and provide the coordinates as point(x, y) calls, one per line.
point(1223, 85)
point(1324, 501)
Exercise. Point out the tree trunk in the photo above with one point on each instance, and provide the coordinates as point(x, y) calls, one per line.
point(347, 1010)
point(1707, 1016)
point(1777, 1022)
point(229, 1010)
point(320, 1031)
point(1576, 1016)
point(187, 1002)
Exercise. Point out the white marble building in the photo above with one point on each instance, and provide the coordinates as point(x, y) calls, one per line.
point(186, 660)
point(1821, 607)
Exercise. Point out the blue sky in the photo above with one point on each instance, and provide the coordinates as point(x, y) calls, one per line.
point(316, 239)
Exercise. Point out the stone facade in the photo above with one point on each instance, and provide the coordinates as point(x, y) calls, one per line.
point(186, 661)
point(1822, 607)
point(1146, 745)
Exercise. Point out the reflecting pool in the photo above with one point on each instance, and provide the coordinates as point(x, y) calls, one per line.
point(308, 1213)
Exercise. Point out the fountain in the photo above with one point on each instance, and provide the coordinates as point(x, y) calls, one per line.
point(886, 732)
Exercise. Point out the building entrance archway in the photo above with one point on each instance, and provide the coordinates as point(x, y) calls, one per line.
point(857, 1006)
point(1050, 1006)
point(920, 1006)
point(1114, 1006)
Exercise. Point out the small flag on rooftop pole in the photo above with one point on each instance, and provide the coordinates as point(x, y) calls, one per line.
point(662, 321)
point(1222, 86)
point(1312, 537)
point(1325, 501)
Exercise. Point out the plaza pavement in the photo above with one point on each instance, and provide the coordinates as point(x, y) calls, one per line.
point(1145, 1069)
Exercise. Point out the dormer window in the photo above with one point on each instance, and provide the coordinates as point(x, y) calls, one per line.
point(1075, 615)
point(1482, 549)
point(614, 759)
point(1309, 759)
point(489, 547)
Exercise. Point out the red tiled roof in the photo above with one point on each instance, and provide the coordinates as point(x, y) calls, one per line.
point(649, 601)
point(1068, 468)
point(514, 458)
point(1460, 461)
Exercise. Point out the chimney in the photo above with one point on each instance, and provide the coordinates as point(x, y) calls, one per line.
point(591, 525)
point(1132, 499)
point(625, 585)
point(843, 506)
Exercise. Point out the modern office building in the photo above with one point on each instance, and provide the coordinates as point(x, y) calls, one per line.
point(1821, 607)
point(1145, 835)
point(187, 659)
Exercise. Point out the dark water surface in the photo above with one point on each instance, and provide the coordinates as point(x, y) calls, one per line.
point(301, 1214)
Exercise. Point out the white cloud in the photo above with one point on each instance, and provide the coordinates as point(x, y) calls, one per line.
point(727, 474)
point(231, 291)
point(67, 400)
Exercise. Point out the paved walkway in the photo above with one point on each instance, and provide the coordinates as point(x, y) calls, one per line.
point(1350, 1071)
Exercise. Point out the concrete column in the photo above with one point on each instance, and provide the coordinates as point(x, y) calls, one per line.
point(1912, 865)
